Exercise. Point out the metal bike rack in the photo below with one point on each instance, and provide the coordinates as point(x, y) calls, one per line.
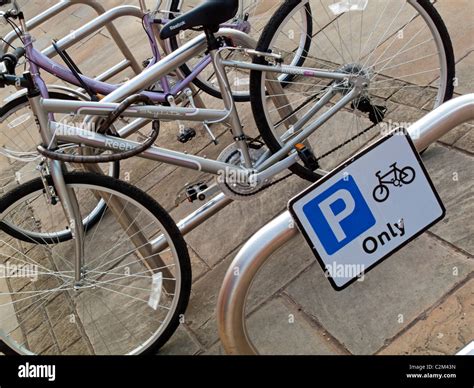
point(105, 17)
point(252, 256)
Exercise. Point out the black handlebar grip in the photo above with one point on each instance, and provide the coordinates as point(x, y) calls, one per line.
point(11, 59)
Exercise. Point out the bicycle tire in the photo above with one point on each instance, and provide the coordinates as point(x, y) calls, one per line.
point(216, 92)
point(256, 94)
point(13, 106)
point(412, 177)
point(147, 202)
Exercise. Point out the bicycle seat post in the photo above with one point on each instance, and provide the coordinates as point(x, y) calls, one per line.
point(213, 46)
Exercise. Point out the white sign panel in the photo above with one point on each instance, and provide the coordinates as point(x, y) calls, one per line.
point(367, 208)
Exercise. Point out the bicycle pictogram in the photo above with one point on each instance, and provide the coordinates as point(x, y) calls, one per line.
point(396, 177)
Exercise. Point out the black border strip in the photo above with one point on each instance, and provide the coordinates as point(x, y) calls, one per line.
point(338, 169)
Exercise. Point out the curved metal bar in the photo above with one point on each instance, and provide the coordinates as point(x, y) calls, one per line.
point(103, 20)
point(239, 279)
point(440, 121)
point(173, 60)
point(99, 8)
point(252, 256)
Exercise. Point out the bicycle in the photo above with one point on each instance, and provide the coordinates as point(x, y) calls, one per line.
point(245, 167)
point(396, 177)
point(271, 120)
point(12, 114)
point(16, 114)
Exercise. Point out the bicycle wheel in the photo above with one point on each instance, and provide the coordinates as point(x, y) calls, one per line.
point(380, 193)
point(400, 47)
point(259, 12)
point(19, 139)
point(407, 175)
point(130, 297)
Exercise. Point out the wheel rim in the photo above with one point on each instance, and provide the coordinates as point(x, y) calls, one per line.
point(97, 272)
point(259, 13)
point(439, 81)
point(25, 169)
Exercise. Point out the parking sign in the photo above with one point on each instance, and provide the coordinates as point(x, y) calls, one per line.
point(367, 208)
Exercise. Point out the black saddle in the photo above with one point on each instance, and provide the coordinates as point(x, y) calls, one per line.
point(207, 15)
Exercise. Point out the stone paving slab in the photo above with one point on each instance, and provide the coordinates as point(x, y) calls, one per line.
point(460, 32)
point(452, 173)
point(279, 328)
point(456, 134)
point(238, 221)
point(366, 314)
point(445, 330)
point(464, 74)
point(466, 142)
point(181, 343)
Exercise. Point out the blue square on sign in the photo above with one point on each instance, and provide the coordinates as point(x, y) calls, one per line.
point(339, 215)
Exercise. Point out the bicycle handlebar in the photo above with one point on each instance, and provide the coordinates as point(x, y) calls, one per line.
point(10, 60)
point(8, 64)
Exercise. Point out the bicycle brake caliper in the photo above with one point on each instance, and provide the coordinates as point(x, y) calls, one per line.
point(49, 191)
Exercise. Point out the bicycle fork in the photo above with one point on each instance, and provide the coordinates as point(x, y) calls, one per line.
point(65, 194)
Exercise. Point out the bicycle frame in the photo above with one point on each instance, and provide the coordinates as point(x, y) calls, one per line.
point(76, 135)
point(51, 133)
point(42, 60)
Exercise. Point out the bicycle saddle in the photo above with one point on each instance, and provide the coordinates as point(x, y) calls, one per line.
point(208, 15)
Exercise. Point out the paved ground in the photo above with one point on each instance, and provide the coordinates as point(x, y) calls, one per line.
point(420, 301)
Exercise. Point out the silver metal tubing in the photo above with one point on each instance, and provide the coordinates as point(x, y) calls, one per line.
point(194, 219)
point(64, 4)
point(148, 111)
point(233, 293)
point(254, 254)
point(132, 127)
point(51, 88)
point(75, 135)
point(285, 69)
point(114, 70)
point(72, 211)
point(233, 118)
point(173, 60)
point(93, 26)
point(304, 134)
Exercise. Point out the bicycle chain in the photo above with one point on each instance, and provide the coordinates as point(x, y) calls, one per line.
point(290, 174)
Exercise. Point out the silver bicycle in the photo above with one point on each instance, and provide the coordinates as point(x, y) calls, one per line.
point(293, 106)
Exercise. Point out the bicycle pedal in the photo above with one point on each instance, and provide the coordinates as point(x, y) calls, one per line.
point(307, 157)
point(196, 191)
point(186, 134)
